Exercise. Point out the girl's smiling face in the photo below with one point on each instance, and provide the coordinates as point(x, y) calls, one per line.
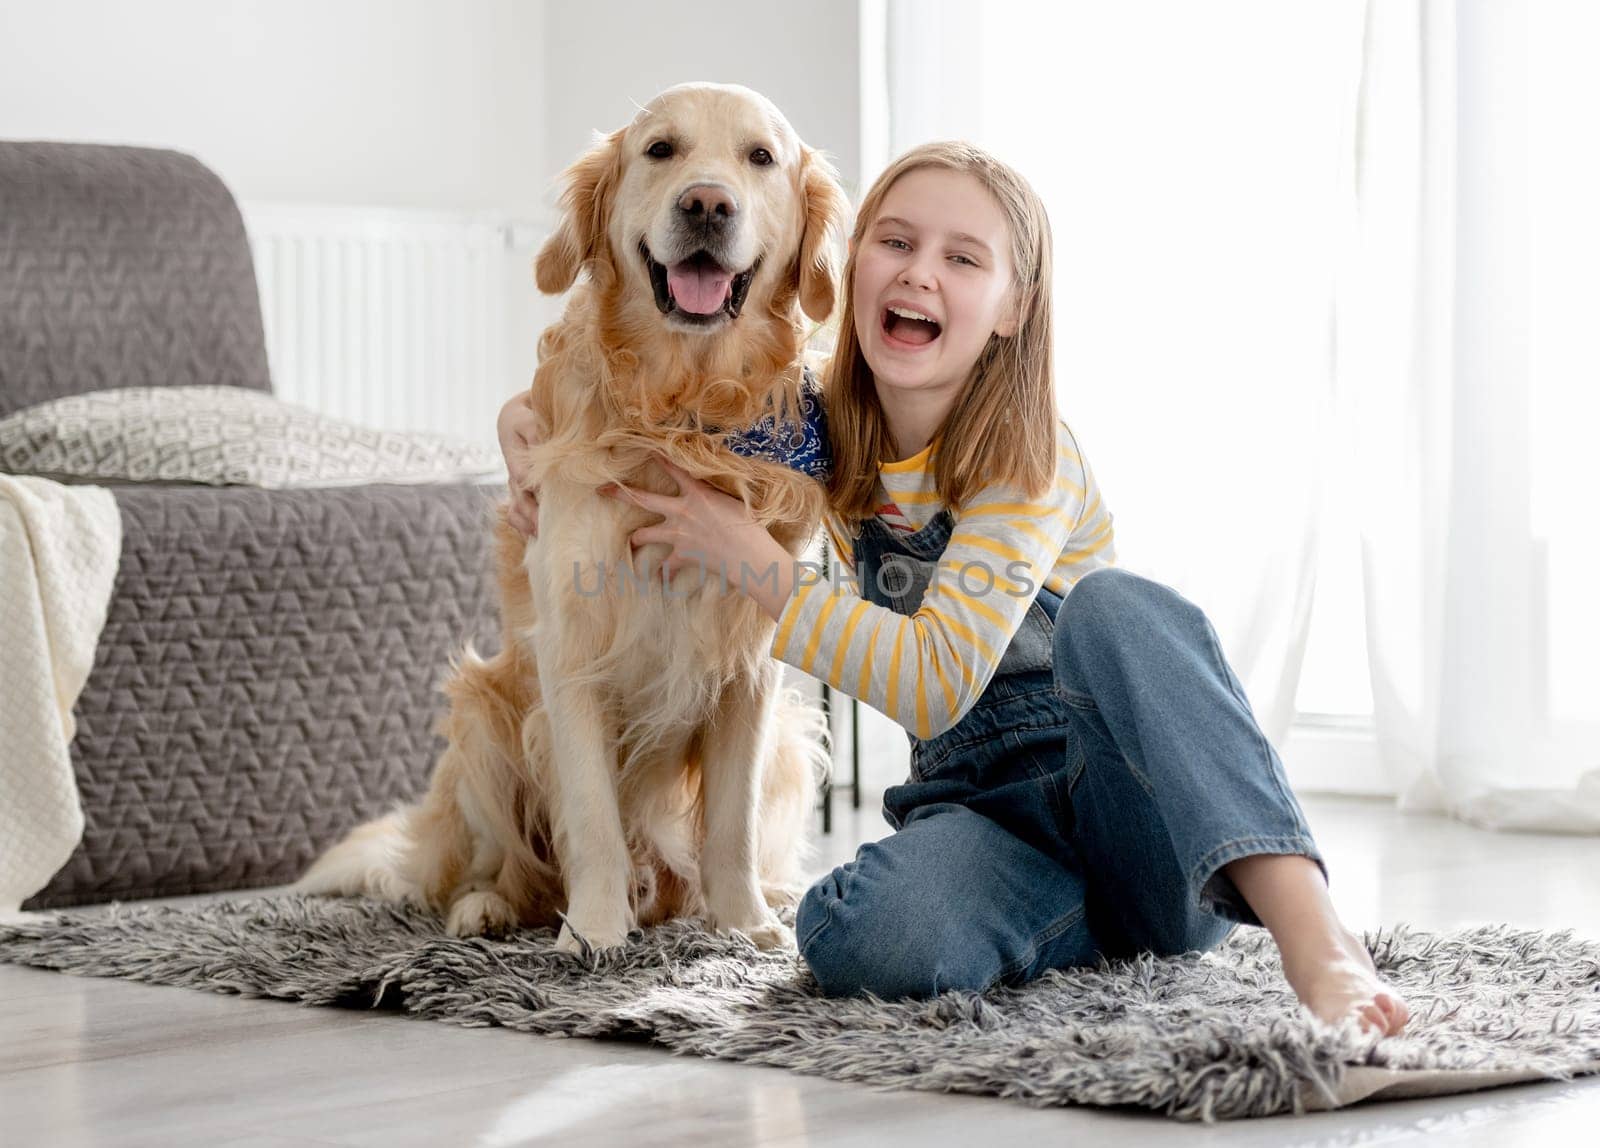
point(939, 248)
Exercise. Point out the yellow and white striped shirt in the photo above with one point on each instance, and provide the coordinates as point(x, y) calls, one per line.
point(927, 669)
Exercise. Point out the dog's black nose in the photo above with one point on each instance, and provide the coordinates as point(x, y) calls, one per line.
point(708, 203)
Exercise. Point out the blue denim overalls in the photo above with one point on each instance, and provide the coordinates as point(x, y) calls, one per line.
point(1027, 839)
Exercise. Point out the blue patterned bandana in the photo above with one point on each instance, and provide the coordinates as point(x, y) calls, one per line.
point(801, 446)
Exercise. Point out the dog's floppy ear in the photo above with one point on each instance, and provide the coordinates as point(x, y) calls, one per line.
point(825, 211)
point(585, 215)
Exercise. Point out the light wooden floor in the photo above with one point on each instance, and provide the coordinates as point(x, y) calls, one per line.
point(101, 1062)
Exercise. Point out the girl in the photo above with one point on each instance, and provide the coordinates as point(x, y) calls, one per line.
point(1087, 776)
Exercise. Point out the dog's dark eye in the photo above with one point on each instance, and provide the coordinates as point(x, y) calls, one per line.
point(761, 157)
point(661, 149)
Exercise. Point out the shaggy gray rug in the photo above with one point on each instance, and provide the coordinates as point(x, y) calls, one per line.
point(1199, 1037)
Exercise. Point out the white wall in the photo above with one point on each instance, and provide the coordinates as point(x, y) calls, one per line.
point(404, 103)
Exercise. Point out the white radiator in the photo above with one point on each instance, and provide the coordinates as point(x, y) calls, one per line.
point(401, 320)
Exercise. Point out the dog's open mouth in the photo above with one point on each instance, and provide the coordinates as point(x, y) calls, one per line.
point(698, 289)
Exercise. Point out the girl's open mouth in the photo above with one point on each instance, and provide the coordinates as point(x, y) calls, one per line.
point(903, 327)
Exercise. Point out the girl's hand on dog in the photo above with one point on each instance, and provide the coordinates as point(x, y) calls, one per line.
point(710, 530)
point(518, 431)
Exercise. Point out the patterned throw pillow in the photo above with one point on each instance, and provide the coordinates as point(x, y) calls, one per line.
point(223, 436)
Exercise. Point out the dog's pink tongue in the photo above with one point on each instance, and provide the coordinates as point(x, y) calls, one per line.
point(698, 289)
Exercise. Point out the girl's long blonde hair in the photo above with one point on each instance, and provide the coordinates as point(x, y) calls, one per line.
point(1002, 427)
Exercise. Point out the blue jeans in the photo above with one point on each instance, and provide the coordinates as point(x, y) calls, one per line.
point(1073, 813)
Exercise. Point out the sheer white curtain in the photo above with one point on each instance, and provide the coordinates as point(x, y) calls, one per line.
point(1190, 157)
point(1468, 360)
point(1328, 255)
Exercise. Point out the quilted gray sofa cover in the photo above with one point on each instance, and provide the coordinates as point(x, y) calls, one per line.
point(269, 669)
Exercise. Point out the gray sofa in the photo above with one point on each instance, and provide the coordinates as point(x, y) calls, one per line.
point(268, 673)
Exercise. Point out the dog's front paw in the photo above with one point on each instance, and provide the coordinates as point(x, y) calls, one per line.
point(581, 940)
point(766, 931)
point(784, 896)
point(481, 913)
point(772, 934)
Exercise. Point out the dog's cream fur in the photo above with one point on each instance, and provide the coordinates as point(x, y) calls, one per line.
point(629, 756)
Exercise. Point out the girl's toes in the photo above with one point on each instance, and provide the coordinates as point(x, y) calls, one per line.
point(1396, 1012)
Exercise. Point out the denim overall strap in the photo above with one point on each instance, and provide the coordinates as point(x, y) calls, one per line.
point(895, 569)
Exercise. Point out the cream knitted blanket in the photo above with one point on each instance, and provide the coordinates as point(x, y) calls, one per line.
point(59, 550)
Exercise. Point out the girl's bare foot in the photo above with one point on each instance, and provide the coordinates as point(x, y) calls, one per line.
point(1338, 979)
point(1328, 967)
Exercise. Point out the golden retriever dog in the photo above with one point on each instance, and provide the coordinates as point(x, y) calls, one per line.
point(629, 755)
